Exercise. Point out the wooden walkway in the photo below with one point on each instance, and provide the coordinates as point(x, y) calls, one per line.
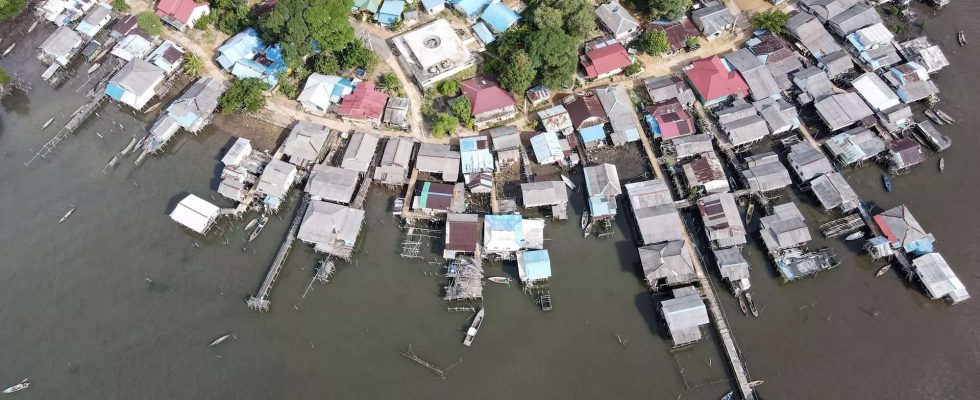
point(260, 301)
point(717, 314)
point(362, 193)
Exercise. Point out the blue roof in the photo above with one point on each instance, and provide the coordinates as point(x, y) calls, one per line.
point(506, 223)
point(430, 4)
point(652, 123)
point(471, 8)
point(244, 44)
point(632, 134)
point(390, 12)
point(342, 88)
point(537, 265)
point(593, 133)
point(366, 5)
point(115, 91)
point(499, 16)
point(483, 33)
point(599, 207)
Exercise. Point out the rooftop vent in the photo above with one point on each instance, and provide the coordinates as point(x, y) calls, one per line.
point(432, 42)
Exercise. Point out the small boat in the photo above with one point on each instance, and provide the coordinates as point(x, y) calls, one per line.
point(961, 37)
point(130, 146)
point(942, 165)
point(855, 236)
point(568, 182)
point(883, 270)
point(499, 279)
point(251, 224)
point(258, 229)
point(219, 340)
point(24, 384)
point(935, 118)
point(9, 49)
point(945, 117)
point(729, 396)
point(585, 219)
point(756, 383)
point(748, 299)
point(46, 124)
point(474, 328)
point(742, 306)
point(94, 67)
point(67, 214)
point(34, 25)
point(887, 182)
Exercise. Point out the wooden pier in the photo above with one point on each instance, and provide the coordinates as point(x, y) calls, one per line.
point(260, 301)
point(732, 352)
point(362, 193)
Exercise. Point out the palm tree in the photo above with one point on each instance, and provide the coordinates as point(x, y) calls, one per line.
point(193, 65)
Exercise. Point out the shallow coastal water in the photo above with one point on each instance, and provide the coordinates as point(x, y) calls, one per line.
point(81, 320)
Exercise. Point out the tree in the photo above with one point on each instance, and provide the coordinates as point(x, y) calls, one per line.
point(545, 17)
point(555, 55)
point(462, 108)
point(193, 65)
point(120, 6)
point(389, 83)
point(11, 8)
point(300, 21)
point(244, 96)
point(653, 42)
point(692, 43)
point(233, 16)
point(581, 22)
point(396, 25)
point(355, 55)
point(202, 23)
point(518, 75)
point(633, 68)
point(326, 63)
point(288, 87)
point(773, 20)
point(4, 78)
point(443, 125)
point(150, 23)
point(669, 9)
point(449, 87)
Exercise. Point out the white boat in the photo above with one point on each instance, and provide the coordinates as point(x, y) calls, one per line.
point(729, 396)
point(219, 340)
point(46, 124)
point(568, 182)
point(67, 214)
point(945, 116)
point(748, 299)
point(24, 384)
point(942, 165)
point(258, 229)
point(755, 383)
point(585, 219)
point(474, 328)
point(34, 25)
point(94, 67)
point(9, 49)
point(251, 224)
point(883, 270)
point(961, 37)
point(499, 279)
point(855, 236)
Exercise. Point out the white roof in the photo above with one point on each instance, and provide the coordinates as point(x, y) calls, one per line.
point(195, 213)
point(876, 34)
point(436, 42)
point(874, 91)
point(237, 153)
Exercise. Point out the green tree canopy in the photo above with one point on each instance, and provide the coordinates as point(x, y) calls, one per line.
point(299, 21)
point(4, 78)
point(653, 42)
point(326, 63)
point(244, 96)
point(669, 9)
point(117, 5)
point(545, 17)
point(355, 55)
point(444, 124)
point(149, 22)
point(449, 87)
point(519, 74)
point(11, 8)
point(388, 82)
point(462, 108)
point(773, 20)
point(555, 55)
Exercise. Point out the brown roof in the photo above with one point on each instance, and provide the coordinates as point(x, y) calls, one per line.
point(677, 33)
point(772, 46)
point(665, 107)
point(462, 235)
point(584, 108)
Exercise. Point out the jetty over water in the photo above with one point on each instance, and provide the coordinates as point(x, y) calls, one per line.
point(260, 301)
point(732, 352)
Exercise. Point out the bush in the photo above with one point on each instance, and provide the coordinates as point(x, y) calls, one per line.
point(288, 87)
point(4, 78)
point(388, 82)
point(773, 20)
point(692, 43)
point(326, 63)
point(193, 65)
point(653, 42)
point(449, 88)
point(244, 96)
point(120, 6)
point(150, 23)
point(204, 22)
point(633, 68)
point(444, 124)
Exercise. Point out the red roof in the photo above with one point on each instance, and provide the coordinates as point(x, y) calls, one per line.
point(363, 103)
point(485, 95)
point(674, 124)
point(880, 221)
point(713, 81)
point(180, 10)
point(605, 59)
